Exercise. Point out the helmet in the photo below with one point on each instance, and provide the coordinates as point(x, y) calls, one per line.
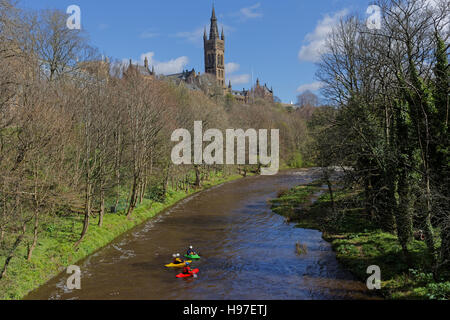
point(190, 247)
point(187, 263)
point(178, 254)
point(174, 255)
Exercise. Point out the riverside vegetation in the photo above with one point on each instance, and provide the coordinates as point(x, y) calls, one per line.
point(388, 131)
point(359, 242)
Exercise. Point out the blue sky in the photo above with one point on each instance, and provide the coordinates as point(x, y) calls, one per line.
point(277, 40)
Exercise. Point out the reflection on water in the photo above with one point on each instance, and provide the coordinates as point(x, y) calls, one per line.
point(247, 253)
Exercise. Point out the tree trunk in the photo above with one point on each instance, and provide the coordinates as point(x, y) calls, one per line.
point(428, 228)
point(13, 250)
point(35, 234)
point(445, 247)
point(87, 214)
point(117, 169)
point(330, 190)
point(102, 208)
point(197, 176)
point(403, 216)
point(133, 197)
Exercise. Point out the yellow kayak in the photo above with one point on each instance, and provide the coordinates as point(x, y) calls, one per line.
point(180, 265)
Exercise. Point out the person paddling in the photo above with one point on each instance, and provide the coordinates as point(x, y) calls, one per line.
point(187, 269)
point(190, 251)
point(177, 259)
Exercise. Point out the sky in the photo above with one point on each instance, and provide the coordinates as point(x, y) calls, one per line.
point(276, 41)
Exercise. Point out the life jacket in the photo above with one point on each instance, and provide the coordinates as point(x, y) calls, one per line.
point(186, 270)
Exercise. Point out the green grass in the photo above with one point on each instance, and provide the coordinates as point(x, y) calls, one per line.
point(358, 242)
point(290, 202)
point(55, 251)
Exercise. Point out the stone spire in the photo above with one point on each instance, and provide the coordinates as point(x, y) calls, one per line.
point(146, 62)
point(204, 35)
point(214, 31)
point(223, 35)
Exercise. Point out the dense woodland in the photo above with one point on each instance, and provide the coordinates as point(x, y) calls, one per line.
point(80, 138)
point(389, 123)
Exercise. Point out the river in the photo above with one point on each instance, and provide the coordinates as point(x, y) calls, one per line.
point(247, 252)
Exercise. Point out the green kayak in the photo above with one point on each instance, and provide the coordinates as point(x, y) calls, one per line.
point(192, 257)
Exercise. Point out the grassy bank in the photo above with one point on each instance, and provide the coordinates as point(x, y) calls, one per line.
point(55, 251)
point(358, 243)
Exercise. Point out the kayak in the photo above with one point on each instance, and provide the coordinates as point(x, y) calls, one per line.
point(179, 265)
point(182, 275)
point(192, 257)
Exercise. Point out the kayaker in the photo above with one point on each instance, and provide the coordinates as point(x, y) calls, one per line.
point(177, 259)
point(190, 251)
point(187, 269)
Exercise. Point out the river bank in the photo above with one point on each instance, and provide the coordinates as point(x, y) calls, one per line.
point(233, 229)
point(358, 243)
point(55, 251)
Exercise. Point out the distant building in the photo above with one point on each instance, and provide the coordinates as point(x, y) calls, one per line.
point(214, 51)
point(239, 96)
point(141, 70)
point(214, 57)
point(189, 78)
point(262, 92)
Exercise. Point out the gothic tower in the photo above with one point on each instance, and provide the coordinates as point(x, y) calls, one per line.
point(215, 51)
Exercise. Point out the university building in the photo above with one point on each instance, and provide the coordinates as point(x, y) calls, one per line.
point(214, 57)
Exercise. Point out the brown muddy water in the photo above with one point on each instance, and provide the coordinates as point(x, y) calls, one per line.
point(247, 253)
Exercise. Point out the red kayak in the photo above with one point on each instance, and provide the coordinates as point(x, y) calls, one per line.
point(190, 274)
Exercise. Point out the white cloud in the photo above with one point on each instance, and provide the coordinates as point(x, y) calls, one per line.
point(231, 67)
point(315, 41)
point(239, 79)
point(310, 86)
point(149, 56)
point(251, 12)
point(162, 67)
point(171, 66)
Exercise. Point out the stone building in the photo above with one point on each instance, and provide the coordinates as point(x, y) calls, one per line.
point(214, 77)
point(141, 70)
point(187, 76)
point(262, 92)
point(214, 51)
